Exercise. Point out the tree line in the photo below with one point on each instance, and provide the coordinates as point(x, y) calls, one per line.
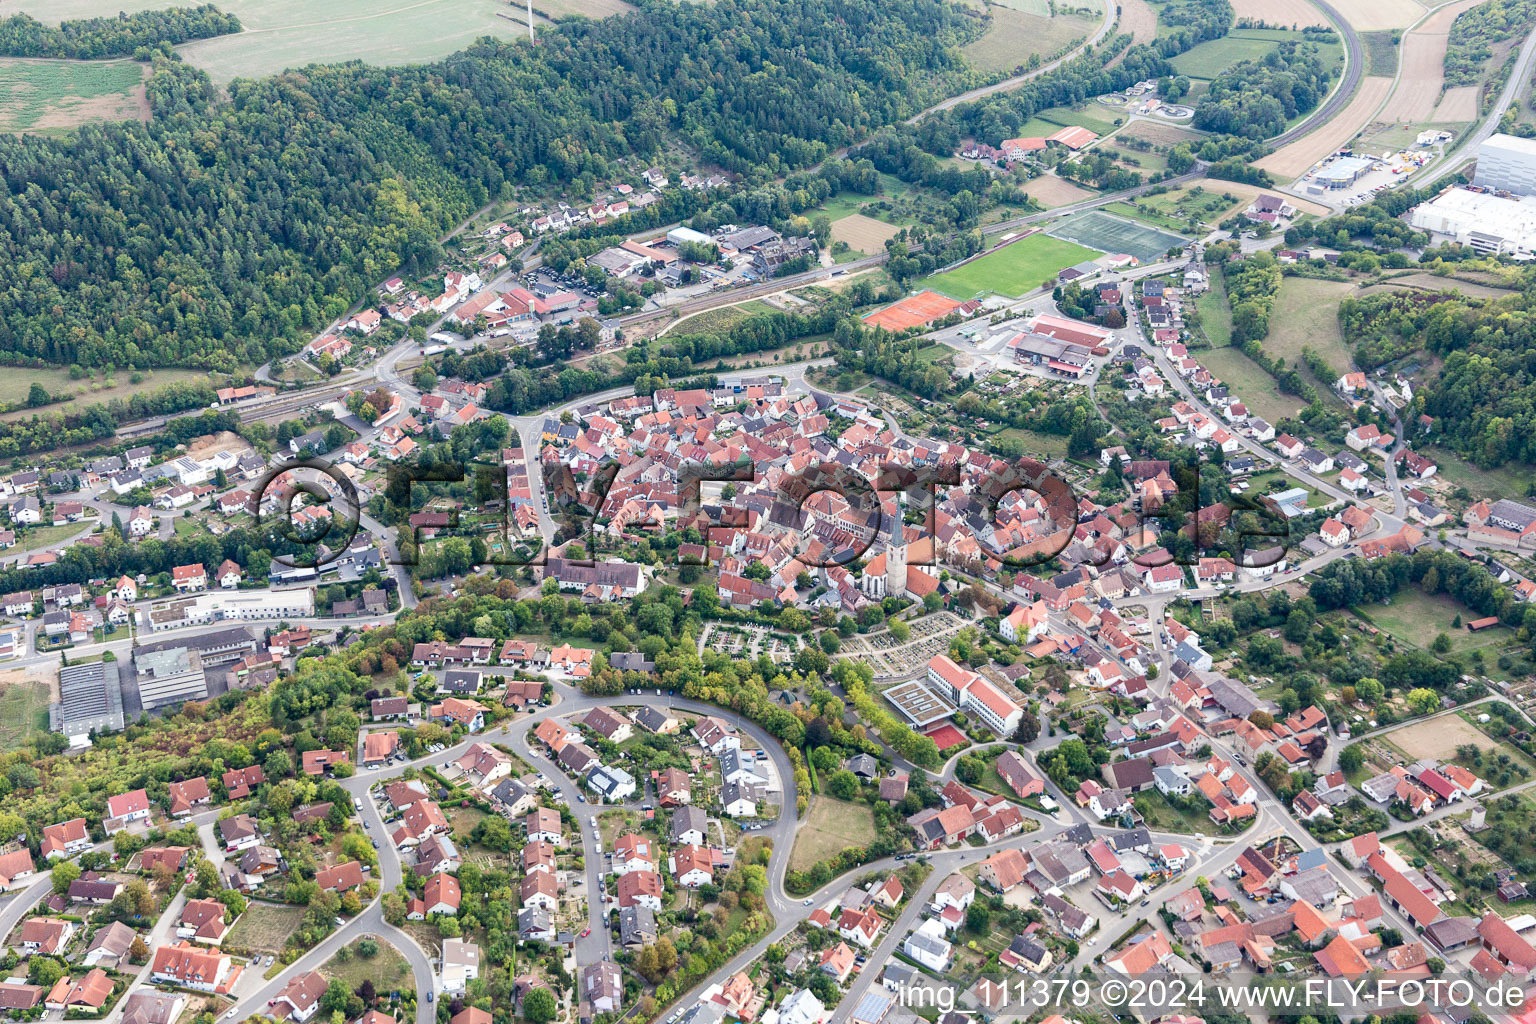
point(127, 34)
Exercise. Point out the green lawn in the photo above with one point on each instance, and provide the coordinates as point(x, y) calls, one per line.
point(41, 537)
point(387, 969)
point(1012, 270)
point(1262, 483)
point(1044, 446)
point(1416, 618)
point(1164, 817)
point(1210, 59)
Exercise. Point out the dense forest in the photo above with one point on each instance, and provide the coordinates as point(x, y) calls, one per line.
point(1473, 34)
point(226, 231)
point(122, 36)
point(1484, 400)
point(1258, 98)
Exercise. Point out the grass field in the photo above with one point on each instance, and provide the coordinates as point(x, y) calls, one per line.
point(1113, 234)
point(1011, 270)
point(1416, 618)
point(1307, 316)
point(264, 928)
point(1506, 481)
point(293, 33)
point(1043, 446)
point(42, 537)
point(23, 712)
point(830, 826)
point(722, 318)
point(1208, 60)
point(1216, 313)
point(387, 969)
point(1165, 817)
point(14, 384)
point(1252, 381)
point(52, 96)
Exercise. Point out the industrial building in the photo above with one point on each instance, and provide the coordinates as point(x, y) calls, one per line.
point(90, 700)
point(297, 603)
point(1506, 163)
point(1495, 225)
point(218, 647)
point(1343, 172)
point(169, 676)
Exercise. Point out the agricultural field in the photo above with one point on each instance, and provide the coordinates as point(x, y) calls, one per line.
point(1295, 14)
point(49, 97)
point(1211, 58)
point(293, 33)
point(1052, 191)
point(1158, 133)
point(1139, 19)
point(1423, 70)
point(1380, 53)
point(1253, 382)
point(1112, 234)
point(1375, 15)
point(1019, 29)
point(1011, 270)
point(863, 234)
point(1416, 618)
point(23, 708)
point(829, 827)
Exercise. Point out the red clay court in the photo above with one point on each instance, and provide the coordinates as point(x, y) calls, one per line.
point(946, 736)
point(913, 311)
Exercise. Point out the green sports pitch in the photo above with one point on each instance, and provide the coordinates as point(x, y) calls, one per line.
point(1012, 270)
point(1115, 234)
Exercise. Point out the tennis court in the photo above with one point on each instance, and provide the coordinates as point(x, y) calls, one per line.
point(913, 311)
point(1099, 230)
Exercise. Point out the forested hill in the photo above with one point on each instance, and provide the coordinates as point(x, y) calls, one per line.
point(229, 229)
point(95, 38)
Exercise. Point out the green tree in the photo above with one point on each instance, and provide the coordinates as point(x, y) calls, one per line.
point(539, 1006)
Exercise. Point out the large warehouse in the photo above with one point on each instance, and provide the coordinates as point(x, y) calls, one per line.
point(1488, 223)
point(1507, 164)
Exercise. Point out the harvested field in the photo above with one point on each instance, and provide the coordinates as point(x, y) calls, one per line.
point(1439, 737)
point(1458, 104)
point(1296, 14)
point(1292, 161)
point(830, 826)
point(1014, 35)
point(1157, 133)
point(1423, 68)
point(1051, 191)
point(866, 234)
point(1139, 19)
point(1245, 194)
point(1373, 15)
point(264, 928)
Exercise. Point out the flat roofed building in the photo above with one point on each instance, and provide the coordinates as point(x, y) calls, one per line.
point(1507, 163)
point(90, 700)
point(169, 677)
point(918, 703)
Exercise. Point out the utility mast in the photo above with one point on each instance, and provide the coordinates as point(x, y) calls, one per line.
point(530, 23)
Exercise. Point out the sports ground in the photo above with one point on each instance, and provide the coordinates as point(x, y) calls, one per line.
point(1012, 270)
point(1114, 234)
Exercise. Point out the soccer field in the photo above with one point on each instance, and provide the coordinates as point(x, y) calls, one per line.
point(1113, 234)
point(1011, 270)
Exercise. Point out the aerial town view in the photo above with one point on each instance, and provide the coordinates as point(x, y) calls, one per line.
point(783, 511)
